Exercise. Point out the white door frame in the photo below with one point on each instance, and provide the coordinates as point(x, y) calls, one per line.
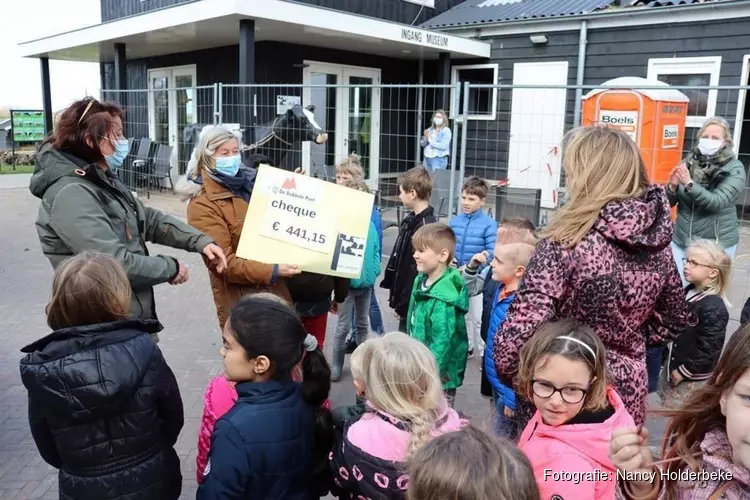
point(342, 104)
point(169, 72)
point(741, 99)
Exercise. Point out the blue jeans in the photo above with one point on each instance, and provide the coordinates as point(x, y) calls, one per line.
point(357, 302)
point(680, 253)
point(376, 318)
point(653, 366)
point(432, 164)
point(507, 427)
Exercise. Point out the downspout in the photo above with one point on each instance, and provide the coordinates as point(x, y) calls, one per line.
point(582, 42)
point(420, 112)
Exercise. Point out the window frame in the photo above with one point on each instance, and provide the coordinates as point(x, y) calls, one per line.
point(495, 67)
point(710, 65)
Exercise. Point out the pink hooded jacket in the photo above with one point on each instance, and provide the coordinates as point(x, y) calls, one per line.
point(579, 451)
point(620, 279)
point(219, 398)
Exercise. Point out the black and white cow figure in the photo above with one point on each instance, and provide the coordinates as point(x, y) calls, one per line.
point(276, 139)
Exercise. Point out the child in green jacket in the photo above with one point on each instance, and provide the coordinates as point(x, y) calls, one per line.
point(439, 302)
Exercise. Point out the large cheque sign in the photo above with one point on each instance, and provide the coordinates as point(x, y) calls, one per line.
point(296, 219)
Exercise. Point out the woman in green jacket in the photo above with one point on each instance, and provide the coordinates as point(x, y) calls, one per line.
point(85, 206)
point(706, 187)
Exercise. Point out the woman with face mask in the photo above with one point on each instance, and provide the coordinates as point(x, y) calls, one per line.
point(219, 187)
point(436, 142)
point(706, 187)
point(85, 206)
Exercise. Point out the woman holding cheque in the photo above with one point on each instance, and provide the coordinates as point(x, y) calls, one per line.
point(219, 188)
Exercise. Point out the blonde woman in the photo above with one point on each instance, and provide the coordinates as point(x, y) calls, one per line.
point(436, 142)
point(604, 261)
point(219, 188)
point(706, 187)
point(693, 356)
point(406, 409)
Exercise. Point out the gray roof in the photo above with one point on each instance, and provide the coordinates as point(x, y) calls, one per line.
point(477, 12)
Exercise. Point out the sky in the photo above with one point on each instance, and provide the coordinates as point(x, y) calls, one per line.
point(20, 80)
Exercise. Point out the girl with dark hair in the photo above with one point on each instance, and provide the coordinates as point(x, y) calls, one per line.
point(86, 207)
point(274, 442)
point(706, 440)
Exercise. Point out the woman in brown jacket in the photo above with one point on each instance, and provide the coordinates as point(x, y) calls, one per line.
point(219, 187)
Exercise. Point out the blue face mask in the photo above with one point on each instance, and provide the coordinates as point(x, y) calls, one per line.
point(228, 165)
point(122, 148)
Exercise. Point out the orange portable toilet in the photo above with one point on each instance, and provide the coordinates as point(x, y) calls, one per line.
point(653, 117)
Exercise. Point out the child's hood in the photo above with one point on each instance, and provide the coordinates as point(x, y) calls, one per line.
point(590, 440)
point(449, 288)
point(84, 372)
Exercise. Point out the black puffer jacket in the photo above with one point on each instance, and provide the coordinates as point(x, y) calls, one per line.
point(402, 269)
point(697, 350)
point(311, 292)
point(105, 409)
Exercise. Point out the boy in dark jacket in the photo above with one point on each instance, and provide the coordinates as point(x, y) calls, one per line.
point(104, 406)
point(415, 188)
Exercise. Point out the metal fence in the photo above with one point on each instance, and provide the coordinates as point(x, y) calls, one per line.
point(155, 122)
point(510, 135)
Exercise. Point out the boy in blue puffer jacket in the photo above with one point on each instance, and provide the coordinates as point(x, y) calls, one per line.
point(475, 233)
point(358, 299)
point(504, 276)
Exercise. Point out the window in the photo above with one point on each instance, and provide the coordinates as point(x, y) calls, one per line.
point(690, 71)
point(482, 101)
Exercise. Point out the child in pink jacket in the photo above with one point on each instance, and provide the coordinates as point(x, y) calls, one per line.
point(562, 372)
point(219, 398)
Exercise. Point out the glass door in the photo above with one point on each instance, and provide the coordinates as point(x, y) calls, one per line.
point(321, 91)
point(362, 119)
point(172, 106)
point(350, 116)
point(158, 106)
point(185, 112)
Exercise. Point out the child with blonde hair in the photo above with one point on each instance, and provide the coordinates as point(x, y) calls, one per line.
point(506, 271)
point(359, 364)
point(469, 464)
point(563, 373)
point(104, 406)
point(692, 357)
point(406, 409)
point(705, 448)
point(356, 306)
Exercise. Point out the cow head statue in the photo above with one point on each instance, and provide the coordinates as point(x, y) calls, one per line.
point(298, 125)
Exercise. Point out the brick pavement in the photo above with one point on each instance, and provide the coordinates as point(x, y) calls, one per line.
point(190, 343)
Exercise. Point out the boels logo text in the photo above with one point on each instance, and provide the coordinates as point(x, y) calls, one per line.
point(618, 120)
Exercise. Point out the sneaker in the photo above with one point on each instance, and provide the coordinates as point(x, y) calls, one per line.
point(351, 345)
point(470, 354)
point(335, 377)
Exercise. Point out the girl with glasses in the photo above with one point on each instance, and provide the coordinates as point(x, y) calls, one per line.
point(563, 372)
point(692, 357)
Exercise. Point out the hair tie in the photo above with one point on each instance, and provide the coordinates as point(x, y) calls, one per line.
point(311, 343)
point(582, 343)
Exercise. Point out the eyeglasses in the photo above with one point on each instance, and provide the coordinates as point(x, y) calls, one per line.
point(692, 263)
point(545, 390)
